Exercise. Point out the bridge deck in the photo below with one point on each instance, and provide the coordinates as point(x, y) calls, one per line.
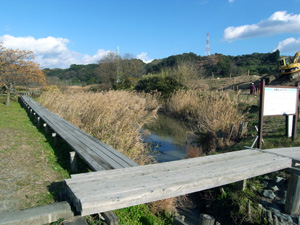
point(109, 190)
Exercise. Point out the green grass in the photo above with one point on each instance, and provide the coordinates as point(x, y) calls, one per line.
point(135, 215)
point(141, 215)
point(31, 169)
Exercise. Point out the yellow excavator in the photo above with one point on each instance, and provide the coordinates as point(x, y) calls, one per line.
point(289, 66)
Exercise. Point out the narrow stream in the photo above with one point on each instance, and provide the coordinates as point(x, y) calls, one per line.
point(168, 138)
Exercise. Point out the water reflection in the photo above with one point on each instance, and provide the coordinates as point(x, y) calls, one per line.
point(168, 138)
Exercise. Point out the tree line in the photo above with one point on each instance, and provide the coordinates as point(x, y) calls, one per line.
point(114, 71)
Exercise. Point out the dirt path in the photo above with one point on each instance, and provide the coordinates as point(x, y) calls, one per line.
point(28, 164)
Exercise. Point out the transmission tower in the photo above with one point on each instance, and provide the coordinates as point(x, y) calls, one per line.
point(118, 80)
point(207, 53)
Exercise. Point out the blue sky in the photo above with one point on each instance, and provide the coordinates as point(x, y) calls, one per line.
point(64, 32)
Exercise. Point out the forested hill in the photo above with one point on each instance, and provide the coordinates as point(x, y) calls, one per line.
point(115, 67)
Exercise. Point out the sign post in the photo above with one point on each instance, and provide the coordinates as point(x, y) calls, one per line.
point(261, 113)
point(278, 101)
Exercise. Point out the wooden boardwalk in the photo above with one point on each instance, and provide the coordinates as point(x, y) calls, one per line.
point(98, 155)
point(119, 182)
point(114, 189)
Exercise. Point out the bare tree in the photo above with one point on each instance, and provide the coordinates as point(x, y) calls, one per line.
point(116, 71)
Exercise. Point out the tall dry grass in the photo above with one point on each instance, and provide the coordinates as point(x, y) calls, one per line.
point(208, 111)
point(114, 117)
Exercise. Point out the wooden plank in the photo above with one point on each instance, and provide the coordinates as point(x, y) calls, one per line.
point(112, 157)
point(116, 154)
point(180, 173)
point(169, 166)
point(293, 152)
point(138, 185)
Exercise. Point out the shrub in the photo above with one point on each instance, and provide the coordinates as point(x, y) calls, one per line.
point(52, 88)
point(166, 85)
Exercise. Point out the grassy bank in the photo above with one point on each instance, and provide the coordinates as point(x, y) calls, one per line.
point(30, 171)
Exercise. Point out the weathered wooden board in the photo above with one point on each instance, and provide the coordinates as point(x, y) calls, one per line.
point(293, 152)
point(114, 189)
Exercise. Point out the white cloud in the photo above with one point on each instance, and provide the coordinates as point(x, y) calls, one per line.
point(86, 59)
point(278, 22)
point(38, 46)
point(144, 57)
point(51, 52)
point(289, 45)
point(230, 1)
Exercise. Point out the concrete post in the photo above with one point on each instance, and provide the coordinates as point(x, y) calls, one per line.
point(30, 113)
point(56, 139)
point(292, 201)
point(47, 128)
point(39, 122)
point(110, 218)
point(206, 220)
point(241, 185)
point(34, 118)
point(73, 162)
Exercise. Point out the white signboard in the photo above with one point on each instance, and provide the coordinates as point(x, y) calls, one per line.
point(280, 101)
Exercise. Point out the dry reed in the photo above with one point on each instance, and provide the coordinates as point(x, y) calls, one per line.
point(193, 151)
point(209, 111)
point(114, 117)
